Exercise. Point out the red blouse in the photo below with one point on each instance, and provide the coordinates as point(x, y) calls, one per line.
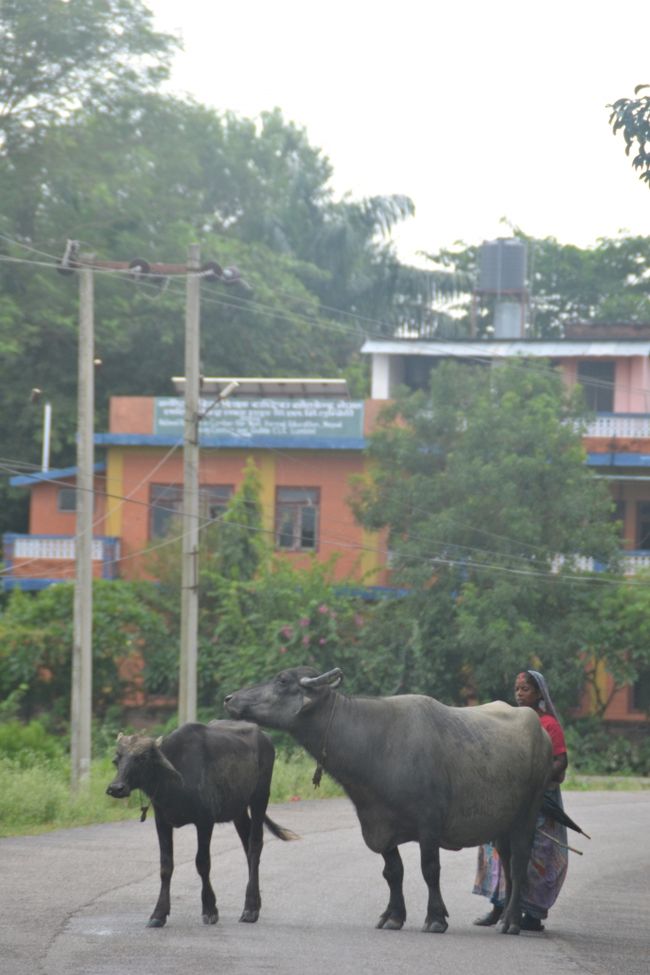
point(553, 729)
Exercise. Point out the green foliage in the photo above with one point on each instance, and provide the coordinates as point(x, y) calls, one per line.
point(282, 618)
point(595, 750)
point(29, 744)
point(35, 790)
point(483, 489)
point(36, 635)
point(615, 637)
point(58, 54)
point(37, 797)
point(631, 117)
point(239, 542)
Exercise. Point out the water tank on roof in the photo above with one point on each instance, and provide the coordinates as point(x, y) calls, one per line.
point(502, 265)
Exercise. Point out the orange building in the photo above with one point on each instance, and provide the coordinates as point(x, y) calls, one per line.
point(305, 437)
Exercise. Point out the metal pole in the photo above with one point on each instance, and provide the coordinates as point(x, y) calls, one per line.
point(81, 705)
point(47, 429)
point(190, 555)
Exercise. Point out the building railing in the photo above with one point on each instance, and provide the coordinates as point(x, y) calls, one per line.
point(36, 561)
point(611, 425)
point(632, 562)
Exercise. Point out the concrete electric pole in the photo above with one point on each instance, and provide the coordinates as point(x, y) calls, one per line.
point(187, 686)
point(82, 660)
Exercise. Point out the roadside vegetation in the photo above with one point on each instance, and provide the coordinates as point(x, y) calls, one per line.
point(35, 793)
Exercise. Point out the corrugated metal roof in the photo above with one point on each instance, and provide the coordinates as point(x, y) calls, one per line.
point(259, 387)
point(509, 349)
point(54, 474)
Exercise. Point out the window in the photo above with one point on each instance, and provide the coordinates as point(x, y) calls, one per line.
point(641, 692)
point(296, 518)
point(618, 517)
point(166, 502)
point(597, 380)
point(67, 499)
point(643, 526)
point(417, 371)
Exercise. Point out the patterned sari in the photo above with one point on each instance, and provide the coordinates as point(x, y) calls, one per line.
point(547, 867)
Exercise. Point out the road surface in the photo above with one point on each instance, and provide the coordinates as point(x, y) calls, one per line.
point(76, 902)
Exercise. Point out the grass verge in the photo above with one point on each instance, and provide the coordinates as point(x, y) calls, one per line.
point(38, 798)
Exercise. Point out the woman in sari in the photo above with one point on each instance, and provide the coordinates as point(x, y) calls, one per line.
point(548, 862)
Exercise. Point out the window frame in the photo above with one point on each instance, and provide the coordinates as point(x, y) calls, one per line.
point(209, 504)
point(598, 391)
point(295, 508)
point(638, 537)
point(66, 490)
point(640, 693)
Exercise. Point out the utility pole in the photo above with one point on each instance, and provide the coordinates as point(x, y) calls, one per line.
point(190, 553)
point(138, 269)
point(81, 702)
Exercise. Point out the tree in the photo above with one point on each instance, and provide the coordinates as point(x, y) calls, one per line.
point(237, 541)
point(58, 55)
point(616, 638)
point(631, 117)
point(36, 636)
point(483, 489)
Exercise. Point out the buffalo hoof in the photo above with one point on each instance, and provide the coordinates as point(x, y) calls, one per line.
point(249, 917)
point(390, 922)
point(210, 918)
point(156, 922)
point(510, 928)
point(435, 926)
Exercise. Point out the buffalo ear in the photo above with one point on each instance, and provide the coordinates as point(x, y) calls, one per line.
point(307, 703)
point(311, 698)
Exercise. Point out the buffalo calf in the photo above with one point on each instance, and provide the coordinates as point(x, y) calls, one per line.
point(202, 774)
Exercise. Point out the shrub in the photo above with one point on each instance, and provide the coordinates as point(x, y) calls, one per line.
point(36, 636)
point(594, 749)
point(26, 745)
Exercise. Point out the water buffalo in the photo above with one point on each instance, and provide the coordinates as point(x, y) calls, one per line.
point(417, 770)
point(202, 774)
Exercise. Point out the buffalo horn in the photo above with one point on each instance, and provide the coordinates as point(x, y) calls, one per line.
point(333, 677)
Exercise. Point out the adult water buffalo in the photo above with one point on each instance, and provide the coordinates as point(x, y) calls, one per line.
point(417, 770)
point(202, 774)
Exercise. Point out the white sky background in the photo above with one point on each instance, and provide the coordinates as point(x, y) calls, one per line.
point(478, 111)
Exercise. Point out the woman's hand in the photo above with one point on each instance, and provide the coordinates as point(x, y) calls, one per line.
point(560, 763)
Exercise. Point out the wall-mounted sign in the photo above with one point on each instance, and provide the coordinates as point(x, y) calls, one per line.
point(251, 418)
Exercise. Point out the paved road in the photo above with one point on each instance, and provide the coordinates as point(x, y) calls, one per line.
point(76, 902)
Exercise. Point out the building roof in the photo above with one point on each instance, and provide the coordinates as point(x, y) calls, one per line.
point(267, 388)
point(510, 348)
point(51, 475)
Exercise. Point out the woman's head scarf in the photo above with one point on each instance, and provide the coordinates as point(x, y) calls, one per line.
point(546, 702)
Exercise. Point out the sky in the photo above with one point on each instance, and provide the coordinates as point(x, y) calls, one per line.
point(489, 115)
